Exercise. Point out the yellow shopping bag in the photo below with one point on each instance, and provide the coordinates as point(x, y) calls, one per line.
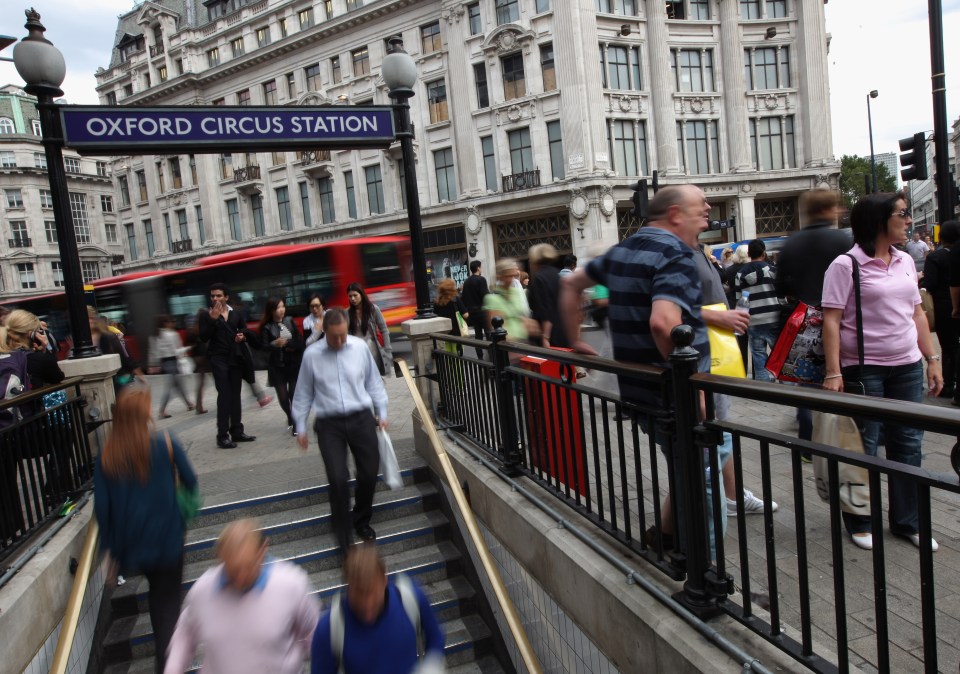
point(725, 357)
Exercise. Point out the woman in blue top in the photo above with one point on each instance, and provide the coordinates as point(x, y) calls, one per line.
point(136, 506)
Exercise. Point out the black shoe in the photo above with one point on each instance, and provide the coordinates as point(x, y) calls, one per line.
point(243, 437)
point(366, 533)
point(652, 536)
point(224, 442)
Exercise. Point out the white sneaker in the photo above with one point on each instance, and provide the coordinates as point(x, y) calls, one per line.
point(864, 541)
point(751, 505)
point(915, 539)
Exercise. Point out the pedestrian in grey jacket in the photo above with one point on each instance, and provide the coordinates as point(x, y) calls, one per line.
point(367, 323)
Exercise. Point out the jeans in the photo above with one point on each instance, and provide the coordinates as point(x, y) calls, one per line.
point(898, 382)
point(762, 337)
point(724, 452)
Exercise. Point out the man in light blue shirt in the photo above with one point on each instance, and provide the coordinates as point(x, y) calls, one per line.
point(340, 382)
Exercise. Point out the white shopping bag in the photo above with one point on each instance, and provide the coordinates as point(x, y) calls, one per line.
point(388, 461)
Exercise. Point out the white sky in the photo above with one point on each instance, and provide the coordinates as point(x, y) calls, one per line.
point(876, 44)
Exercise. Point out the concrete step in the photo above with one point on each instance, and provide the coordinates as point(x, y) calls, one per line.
point(487, 665)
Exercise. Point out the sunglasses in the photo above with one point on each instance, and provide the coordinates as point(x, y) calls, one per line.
point(903, 213)
point(315, 305)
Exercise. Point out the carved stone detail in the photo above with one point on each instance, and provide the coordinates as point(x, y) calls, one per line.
point(608, 203)
point(579, 206)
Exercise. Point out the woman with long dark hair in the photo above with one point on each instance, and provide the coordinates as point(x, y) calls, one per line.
point(280, 336)
point(366, 322)
point(141, 527)
point(896, 341)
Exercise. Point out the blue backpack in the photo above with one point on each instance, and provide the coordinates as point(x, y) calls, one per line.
point(14, 381)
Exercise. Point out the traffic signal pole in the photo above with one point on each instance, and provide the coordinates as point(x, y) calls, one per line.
point(941, 138)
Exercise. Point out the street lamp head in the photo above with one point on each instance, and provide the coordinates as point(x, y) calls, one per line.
point(40, 64)
point(874, 93)
point(398, 69)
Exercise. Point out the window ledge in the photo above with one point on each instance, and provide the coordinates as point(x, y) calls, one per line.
point(438, 125)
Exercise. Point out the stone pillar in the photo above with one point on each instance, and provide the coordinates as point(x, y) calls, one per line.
point(460, 96)
point(813, 85)
point(746, 218)
point(419, 331)
point(734, 89)
point(666, 161)
point(97, 385)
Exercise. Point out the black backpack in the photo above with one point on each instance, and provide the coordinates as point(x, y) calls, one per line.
point(14, 381)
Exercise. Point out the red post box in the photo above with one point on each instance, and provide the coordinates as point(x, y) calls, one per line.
point(554, 424)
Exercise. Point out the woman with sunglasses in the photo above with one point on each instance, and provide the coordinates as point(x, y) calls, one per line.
point(312, 322)
point(896, 341)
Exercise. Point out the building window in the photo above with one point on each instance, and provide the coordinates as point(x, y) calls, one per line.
point(305, 204)
point(270, 92)
point(437, 101)
point(336, 75)
point(282, 25)
point(200, 230)
point(110, 229)
point(766, 68)
point(430, 38)
point(291, 87)
point(555, 138)
point(521, 151)
point(278, 158)
point(514, 83)
point(213, 57)
point(162, 73)
point(361, 61)
point(628, 146)
point(283, 207)
point(182, 224)
point(226, 166)
point(218, 101)
point(328, 8)
point(473, 13)
point(6, 126)
point(694, 10)
point(772, 143)
point(374, 180)
point(542, 6)
point(72, 164)
point(175, 173)
point(312, 74)
point(40, 160)
point(131, 241)
point(489, 163)
point(50, 230)
point(124, 190)
point(90, 271)
point(168, 230)
point(233, 218)
point(480, 77)
point(46, 199)
point(161, 183)
point(446, 177)
point(178, 64)
point(28, 278)
point(508, 11)
point(620, 7)
point(328, 212)
point(354, 4)
point(14, 198)
point(106, 203)
point(698, 146)
point(749, 9)
point(56, 270)
point(762, 9)
point(243, 97)
point(148, 234)
point(351, 194)
point(18, 230)
point(775, 216)
point(127, 90)
point(142, 185)
point(256, 210)
point(8, 160)
point(102, 169)
point(402, 180)
point(622, 68)
point(111, 98)
point(547, 67)
point(306, 18)
point(263, 36)
point(692, 70)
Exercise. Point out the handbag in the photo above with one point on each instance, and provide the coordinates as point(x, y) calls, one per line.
point(189, 500)
point(853, 481)
point(798, 355)
point(926, 303)
point(725, 357)
point(388, 461)
point(462, 324)
point(851, 384)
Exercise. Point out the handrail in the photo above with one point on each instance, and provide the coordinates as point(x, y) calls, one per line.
point(71, 616)
point(37, 393)
point(509, 611)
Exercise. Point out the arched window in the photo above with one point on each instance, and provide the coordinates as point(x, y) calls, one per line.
point(6, 125)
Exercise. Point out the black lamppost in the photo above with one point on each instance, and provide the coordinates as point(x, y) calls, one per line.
point(399, 72)
point(873, 160)
point(42, 67)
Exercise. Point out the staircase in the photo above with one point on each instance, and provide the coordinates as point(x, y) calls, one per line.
point(414, 536)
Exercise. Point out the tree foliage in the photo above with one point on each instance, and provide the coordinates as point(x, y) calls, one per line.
point(852, 172)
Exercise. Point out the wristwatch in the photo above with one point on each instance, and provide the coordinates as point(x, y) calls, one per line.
point(932, 358)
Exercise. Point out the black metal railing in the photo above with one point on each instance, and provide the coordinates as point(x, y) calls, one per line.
point(246, 173)
point(45, 459)
point(521, 181)
point(156, 50)
point(599, 455)
point(182, 246)
point(309, 157)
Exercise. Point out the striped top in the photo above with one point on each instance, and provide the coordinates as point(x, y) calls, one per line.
point(759, 278)
point(653, 264)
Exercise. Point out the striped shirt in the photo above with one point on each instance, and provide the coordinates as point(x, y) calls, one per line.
point(653, 264)
point(759, 277)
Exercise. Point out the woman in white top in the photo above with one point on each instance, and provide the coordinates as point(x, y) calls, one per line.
point(165, 347)
point(312, 330)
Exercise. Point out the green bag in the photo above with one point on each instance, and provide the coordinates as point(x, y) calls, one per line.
point(189, 501)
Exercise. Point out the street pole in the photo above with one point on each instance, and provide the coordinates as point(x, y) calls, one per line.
point(873, 159)
point(940, 136)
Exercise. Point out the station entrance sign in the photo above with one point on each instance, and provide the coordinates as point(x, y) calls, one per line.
point(122, 130)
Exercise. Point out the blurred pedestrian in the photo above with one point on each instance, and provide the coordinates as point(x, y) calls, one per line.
point(247, 614)
point(740, 258)
point(165, 347)
point(726, 258)
point(917, 249)
point(107, 340)
point(367, 323)
point(474, 290)
point(544, 296)
point(382, 626)
point(936, 279)
point(569, 264)
point(198, 352)
point(448, 305)
point(280, 336)
point(758, 278)
point(509, 302)
point(141, 527)
point(312, 331)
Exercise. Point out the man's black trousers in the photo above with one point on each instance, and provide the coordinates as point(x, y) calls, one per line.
point(227, 377)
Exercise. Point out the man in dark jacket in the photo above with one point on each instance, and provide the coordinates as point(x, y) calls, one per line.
point(225, 330)
point(474, 290)
point(936, 279)
point(544, 295)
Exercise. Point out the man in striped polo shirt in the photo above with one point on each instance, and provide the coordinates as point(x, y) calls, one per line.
point(759, 277)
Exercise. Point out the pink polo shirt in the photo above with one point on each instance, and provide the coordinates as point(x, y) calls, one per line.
point(888, 296)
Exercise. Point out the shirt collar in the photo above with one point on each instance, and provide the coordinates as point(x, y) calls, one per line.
point(223, 583)
point(861, 257)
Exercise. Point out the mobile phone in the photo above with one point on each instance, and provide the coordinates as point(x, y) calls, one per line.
point(35, 338)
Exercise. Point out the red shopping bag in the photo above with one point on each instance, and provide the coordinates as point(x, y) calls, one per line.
point(798, 354)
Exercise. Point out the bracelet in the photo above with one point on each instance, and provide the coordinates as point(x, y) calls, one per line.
point(933, 358)
point(832, 376)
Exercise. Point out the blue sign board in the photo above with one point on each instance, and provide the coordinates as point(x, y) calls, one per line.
point(125, 130)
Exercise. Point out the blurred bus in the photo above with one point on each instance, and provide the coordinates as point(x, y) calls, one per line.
point(382, 265)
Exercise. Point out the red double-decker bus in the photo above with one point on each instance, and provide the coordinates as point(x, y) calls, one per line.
point(382, 265)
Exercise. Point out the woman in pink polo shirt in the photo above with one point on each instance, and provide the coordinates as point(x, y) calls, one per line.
point(896, 339)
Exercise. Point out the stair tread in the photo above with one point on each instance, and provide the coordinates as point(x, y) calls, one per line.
point(486, 665)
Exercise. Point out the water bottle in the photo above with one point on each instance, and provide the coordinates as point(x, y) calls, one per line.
point(743, 304)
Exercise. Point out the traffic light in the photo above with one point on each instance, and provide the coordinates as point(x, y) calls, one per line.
point(640, 199)
point(914, 158)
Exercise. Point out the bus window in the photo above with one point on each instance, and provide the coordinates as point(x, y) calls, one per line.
point(381, 265)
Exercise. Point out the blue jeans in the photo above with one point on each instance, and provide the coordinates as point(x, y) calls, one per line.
point(898, 382)
point(724, 452)
point(761, 338)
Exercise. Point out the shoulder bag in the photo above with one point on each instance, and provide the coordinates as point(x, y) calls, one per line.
point(853, 384)
point(189, 500)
